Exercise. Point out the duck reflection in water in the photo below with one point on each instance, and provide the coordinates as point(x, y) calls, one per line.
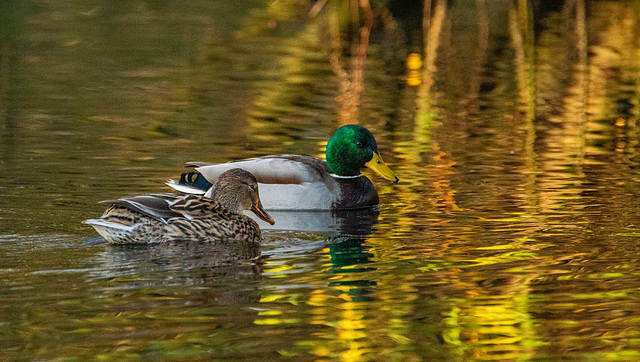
point(223, 263)
point(348, 251)
point(191, 263)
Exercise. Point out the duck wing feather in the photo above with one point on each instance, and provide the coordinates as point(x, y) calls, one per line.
point(156, 206)
point(191, 206)
point(279, 169)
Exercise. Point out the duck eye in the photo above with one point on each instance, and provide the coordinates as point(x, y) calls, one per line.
point(253, 187)
point(359, 144)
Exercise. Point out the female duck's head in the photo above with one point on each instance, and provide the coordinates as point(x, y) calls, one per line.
point(352, 148)
point(237, 190)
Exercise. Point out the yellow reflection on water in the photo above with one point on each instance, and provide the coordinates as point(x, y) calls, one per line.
point(492, 329)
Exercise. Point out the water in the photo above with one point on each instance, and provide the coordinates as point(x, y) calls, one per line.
point(513, 234)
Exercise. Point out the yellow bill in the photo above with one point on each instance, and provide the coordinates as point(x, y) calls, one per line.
point(259, 211)
point(378, 166)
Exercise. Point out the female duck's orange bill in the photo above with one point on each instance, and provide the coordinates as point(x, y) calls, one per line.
point(378, 166)
point(259, 211)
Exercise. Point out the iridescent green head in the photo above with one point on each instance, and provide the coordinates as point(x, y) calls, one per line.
point(352, 148)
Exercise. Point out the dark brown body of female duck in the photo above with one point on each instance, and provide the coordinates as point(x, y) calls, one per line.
point(154, 218)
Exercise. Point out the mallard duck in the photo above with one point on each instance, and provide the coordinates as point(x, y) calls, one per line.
point(294, 182)
point(153, 218)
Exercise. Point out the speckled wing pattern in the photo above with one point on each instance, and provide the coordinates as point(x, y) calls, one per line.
point(191, 206)
point(156, 218)
point(203, 218)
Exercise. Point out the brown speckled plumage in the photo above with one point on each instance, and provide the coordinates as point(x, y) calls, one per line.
point(155, 218)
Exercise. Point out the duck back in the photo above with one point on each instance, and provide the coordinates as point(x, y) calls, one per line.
point(156, 218)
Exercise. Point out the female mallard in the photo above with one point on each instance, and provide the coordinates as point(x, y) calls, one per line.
point(154, 218)
point(293, 182)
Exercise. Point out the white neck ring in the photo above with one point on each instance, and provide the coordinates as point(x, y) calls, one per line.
point(338, 176)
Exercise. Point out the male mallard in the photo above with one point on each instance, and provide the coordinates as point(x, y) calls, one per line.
point(293, 182)
point(155, 218)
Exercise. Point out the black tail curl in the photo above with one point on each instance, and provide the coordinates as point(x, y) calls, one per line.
point(195, 179)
